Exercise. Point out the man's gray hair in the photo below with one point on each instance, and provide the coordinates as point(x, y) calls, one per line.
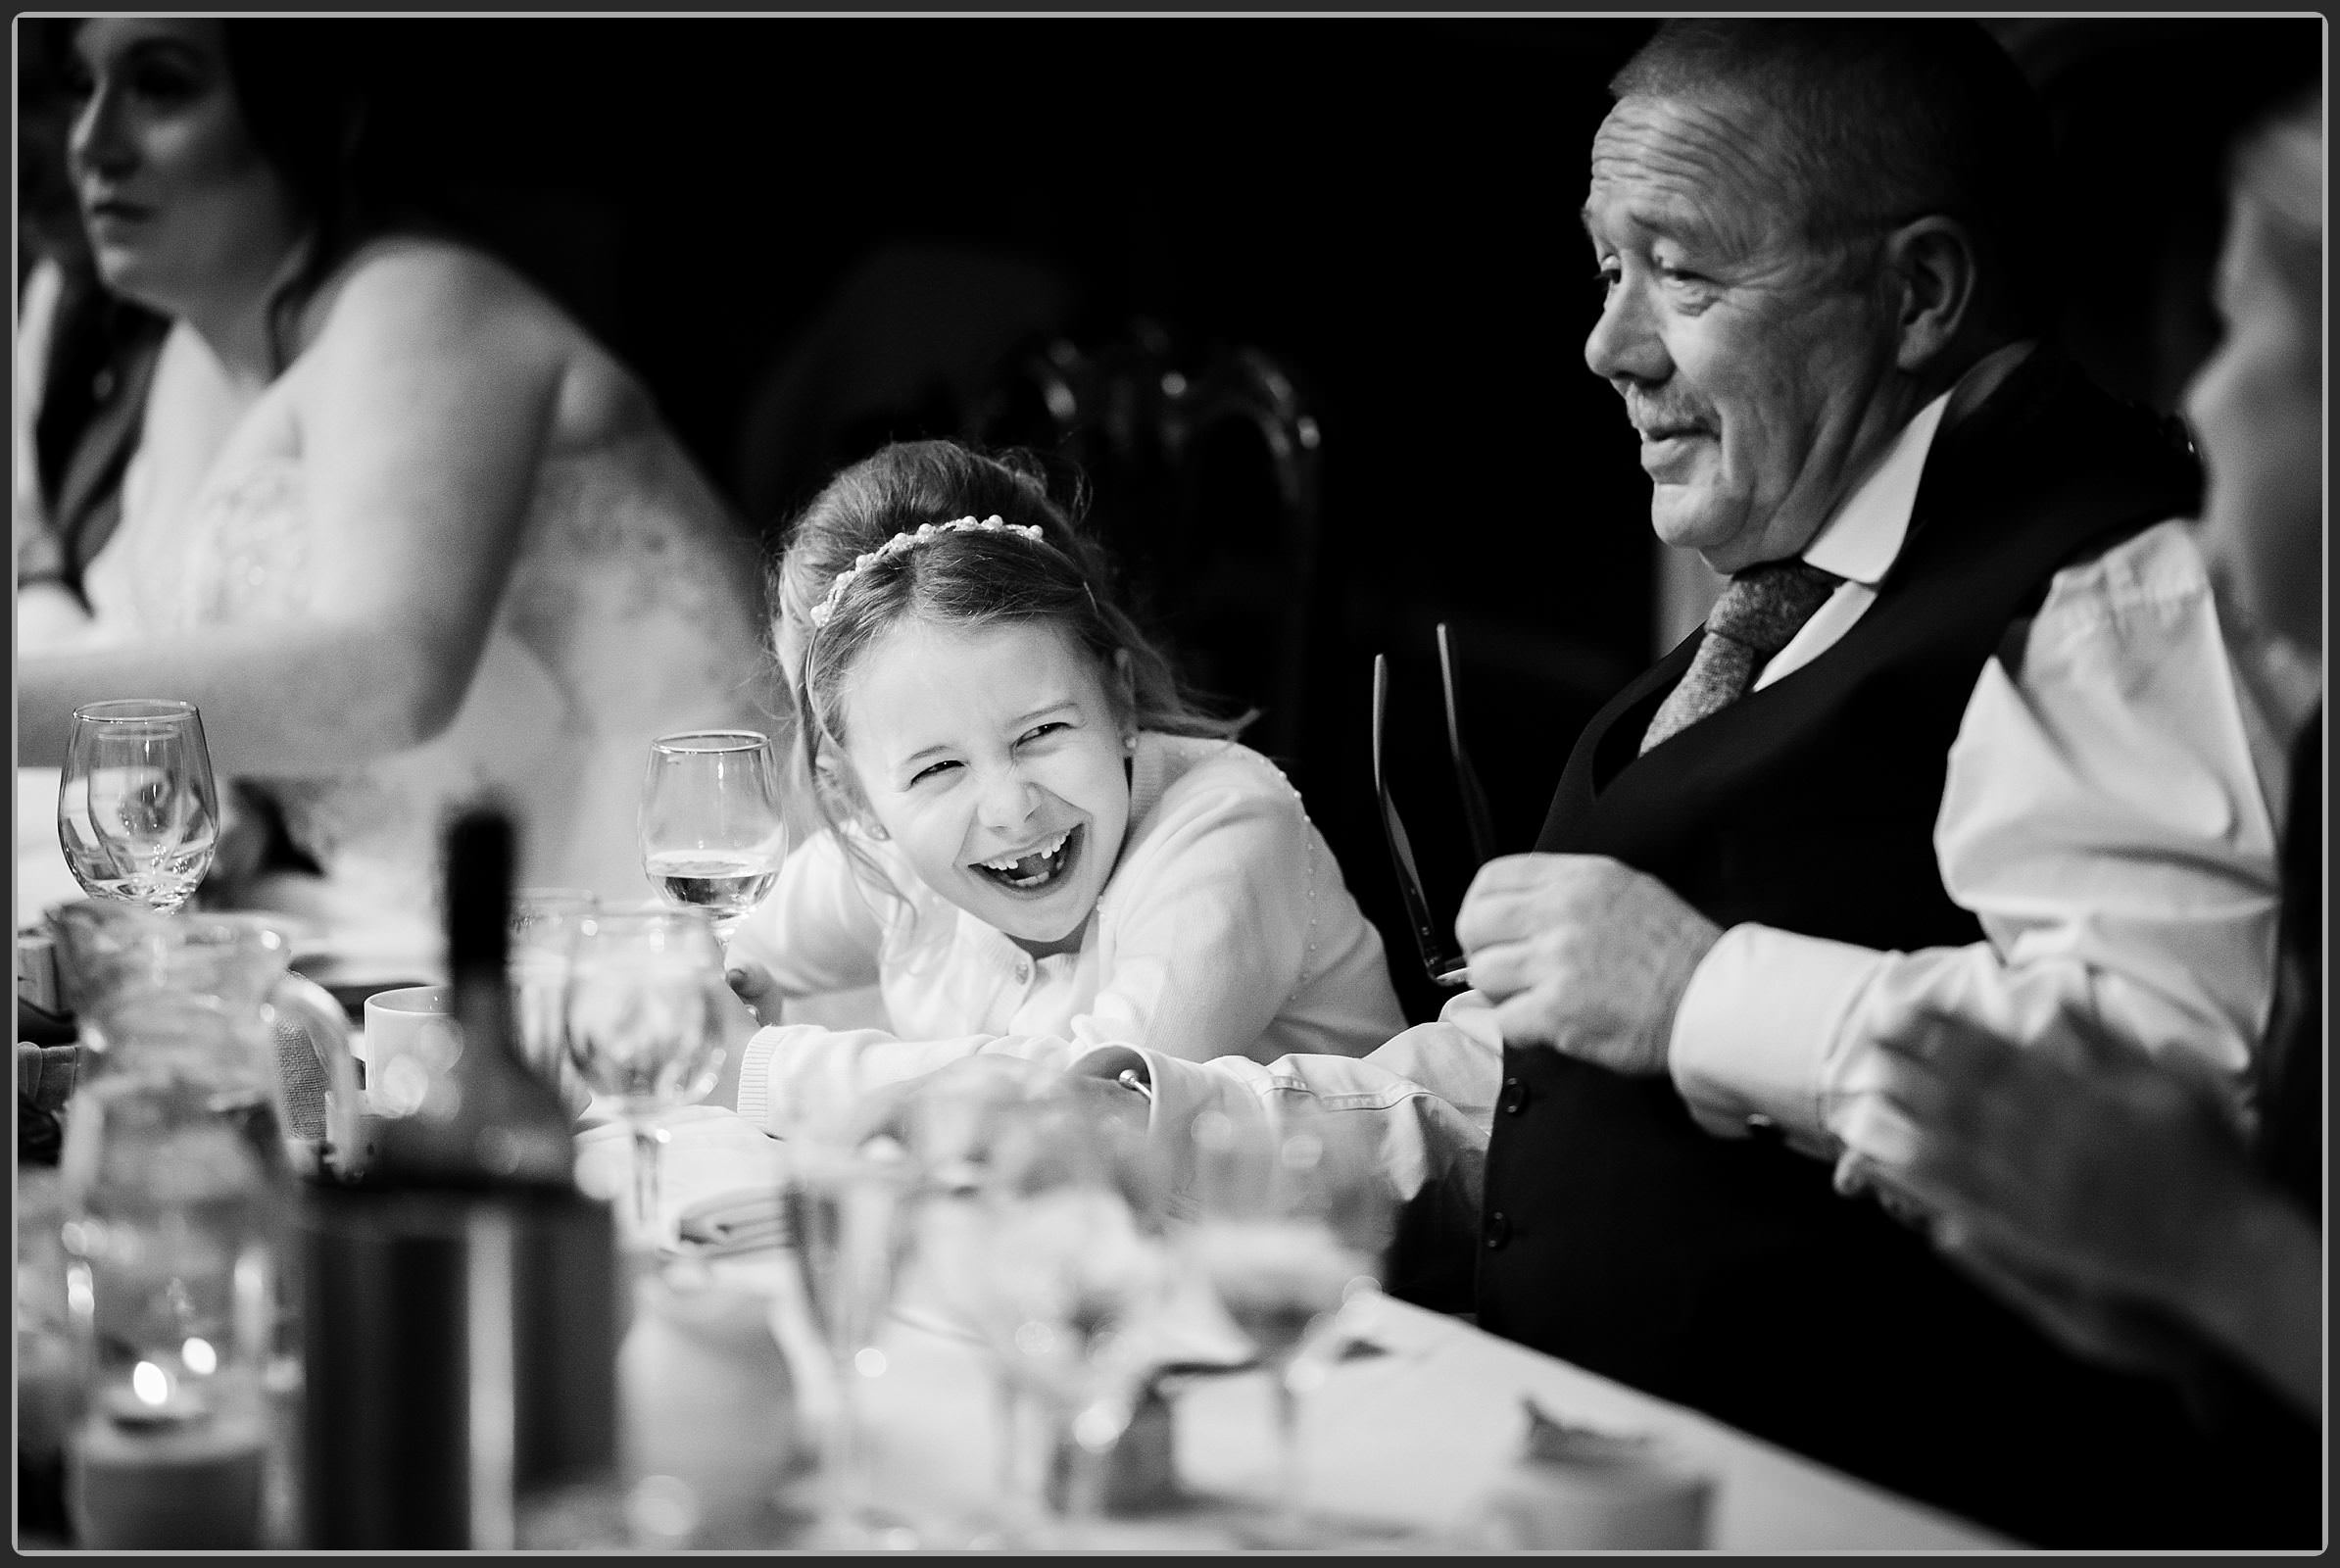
point(1884, 120)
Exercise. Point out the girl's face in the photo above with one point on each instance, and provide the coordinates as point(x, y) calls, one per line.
point(178, 200)
point(994, 757)
point(2256, 408)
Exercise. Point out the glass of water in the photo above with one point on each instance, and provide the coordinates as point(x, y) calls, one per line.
point(713, 834)
point(138, 812)
point(545, 925)
point(646, 1004)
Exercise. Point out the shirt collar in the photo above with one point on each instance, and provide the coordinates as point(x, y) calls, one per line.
point(1864, 536)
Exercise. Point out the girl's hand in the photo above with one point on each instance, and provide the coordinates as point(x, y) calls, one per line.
point(753, 985)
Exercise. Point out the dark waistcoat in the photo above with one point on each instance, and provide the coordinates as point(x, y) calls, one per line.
point(1725, 1273)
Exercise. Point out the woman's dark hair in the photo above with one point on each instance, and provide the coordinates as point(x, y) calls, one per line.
point(967, 578)
point(306, 94)
point(304, 87)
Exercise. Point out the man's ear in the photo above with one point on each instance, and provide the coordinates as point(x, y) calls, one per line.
point(1933, 264)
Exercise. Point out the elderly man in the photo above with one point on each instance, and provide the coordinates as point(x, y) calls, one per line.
point(1820, 245)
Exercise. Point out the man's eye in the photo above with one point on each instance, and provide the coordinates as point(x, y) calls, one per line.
point(1680, 275)
point(1606, 277)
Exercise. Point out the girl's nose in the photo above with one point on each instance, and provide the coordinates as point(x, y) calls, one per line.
point(1008, 800)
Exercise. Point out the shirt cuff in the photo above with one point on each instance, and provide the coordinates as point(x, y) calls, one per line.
point(1755, 1031)
point(756, 1075)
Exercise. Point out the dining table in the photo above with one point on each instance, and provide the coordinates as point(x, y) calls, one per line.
point(1408, 1438)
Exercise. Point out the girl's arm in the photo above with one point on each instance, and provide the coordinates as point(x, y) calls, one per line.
point(1210, 928)
point(422, 412)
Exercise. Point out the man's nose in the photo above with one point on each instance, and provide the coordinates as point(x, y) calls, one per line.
point(1625, 344)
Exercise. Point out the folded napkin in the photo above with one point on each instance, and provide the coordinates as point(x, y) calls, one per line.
point(732, 1222)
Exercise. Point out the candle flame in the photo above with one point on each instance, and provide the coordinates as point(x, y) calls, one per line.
point(149, 1383)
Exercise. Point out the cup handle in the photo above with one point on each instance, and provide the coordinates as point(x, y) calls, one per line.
point(313, 1006)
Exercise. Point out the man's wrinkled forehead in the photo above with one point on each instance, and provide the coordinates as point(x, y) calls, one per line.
point(1703, 166)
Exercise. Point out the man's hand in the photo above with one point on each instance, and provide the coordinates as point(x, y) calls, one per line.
point(1584, 954)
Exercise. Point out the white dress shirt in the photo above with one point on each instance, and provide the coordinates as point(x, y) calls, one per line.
point(1224, 930)
point(2109, 818)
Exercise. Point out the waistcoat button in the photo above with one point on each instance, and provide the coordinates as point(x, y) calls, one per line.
point(1515, 1097)
point(1499, 1230)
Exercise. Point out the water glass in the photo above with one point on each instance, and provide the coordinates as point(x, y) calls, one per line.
point(137, 812)
point(1290, 1223)
point(545, 925)
point(713, 834)
point(645, 1011)
point(849, 1218)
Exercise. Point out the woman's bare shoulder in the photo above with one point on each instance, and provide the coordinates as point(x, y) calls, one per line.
point(399, 279)
point(402, 292)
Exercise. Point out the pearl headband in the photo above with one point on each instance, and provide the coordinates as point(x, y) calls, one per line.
point(902, 544)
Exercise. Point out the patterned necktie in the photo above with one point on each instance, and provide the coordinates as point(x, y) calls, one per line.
point(1757, 616)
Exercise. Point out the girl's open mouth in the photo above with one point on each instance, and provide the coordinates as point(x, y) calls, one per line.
point(1038, 870)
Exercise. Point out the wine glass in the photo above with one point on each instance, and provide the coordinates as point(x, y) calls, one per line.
point(644, 1012)
point(1288, 1225)
point(137, 813)
point(1074, 1277)
point(545, 925)
point(848, 1213)
point(713, 835)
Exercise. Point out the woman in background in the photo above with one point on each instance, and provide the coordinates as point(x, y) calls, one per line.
point(2094, 1190)
point(397, 526)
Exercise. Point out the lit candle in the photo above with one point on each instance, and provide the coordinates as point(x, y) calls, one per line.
point(161, 1465)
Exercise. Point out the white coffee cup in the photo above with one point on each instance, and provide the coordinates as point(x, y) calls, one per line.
point(409, 1039)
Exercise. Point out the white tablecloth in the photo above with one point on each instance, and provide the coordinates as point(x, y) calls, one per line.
point(1404, 1442)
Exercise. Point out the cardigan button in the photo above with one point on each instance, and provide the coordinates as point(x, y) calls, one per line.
point(1499, 1230)
point(1515, 1097)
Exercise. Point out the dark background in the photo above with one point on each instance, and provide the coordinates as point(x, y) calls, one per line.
point(1384, 207)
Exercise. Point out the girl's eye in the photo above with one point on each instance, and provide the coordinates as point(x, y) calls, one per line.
point(1606, 277)
point(1038, 730)
point(931, 770)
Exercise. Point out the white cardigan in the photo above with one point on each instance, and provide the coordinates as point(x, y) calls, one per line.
point(1225, 930)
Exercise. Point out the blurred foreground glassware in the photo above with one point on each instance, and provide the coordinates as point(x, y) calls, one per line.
point(1074, 1277)
point(545, 923)
point(281, 1057)
point(137, 812)
point(847, 1213)
point(175, 1202)
point(1290, 1225)
point(713, 835)
point(644, 1011)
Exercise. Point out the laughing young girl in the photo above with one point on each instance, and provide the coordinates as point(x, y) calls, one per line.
point(1034, 844)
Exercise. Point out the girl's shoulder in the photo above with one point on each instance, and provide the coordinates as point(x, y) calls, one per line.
point(1179, 774)
point(399, 283)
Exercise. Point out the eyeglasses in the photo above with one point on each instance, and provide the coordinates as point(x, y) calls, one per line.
point(1441, 956)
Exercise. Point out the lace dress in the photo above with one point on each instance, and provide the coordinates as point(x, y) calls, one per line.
point(631, 612)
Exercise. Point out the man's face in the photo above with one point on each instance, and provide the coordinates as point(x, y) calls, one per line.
point(1758, 368)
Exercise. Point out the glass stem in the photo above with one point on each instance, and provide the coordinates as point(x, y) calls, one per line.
point(1291, 1475)
point(646, 1181)
point(844, 1454)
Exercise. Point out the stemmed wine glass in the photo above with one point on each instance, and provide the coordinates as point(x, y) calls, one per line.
point(137, 813)
point(1288, 1226)
point(848, 1217)
point(644, 1011)
point(1074, 1278)
point(713, 834)
point(545, 925)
